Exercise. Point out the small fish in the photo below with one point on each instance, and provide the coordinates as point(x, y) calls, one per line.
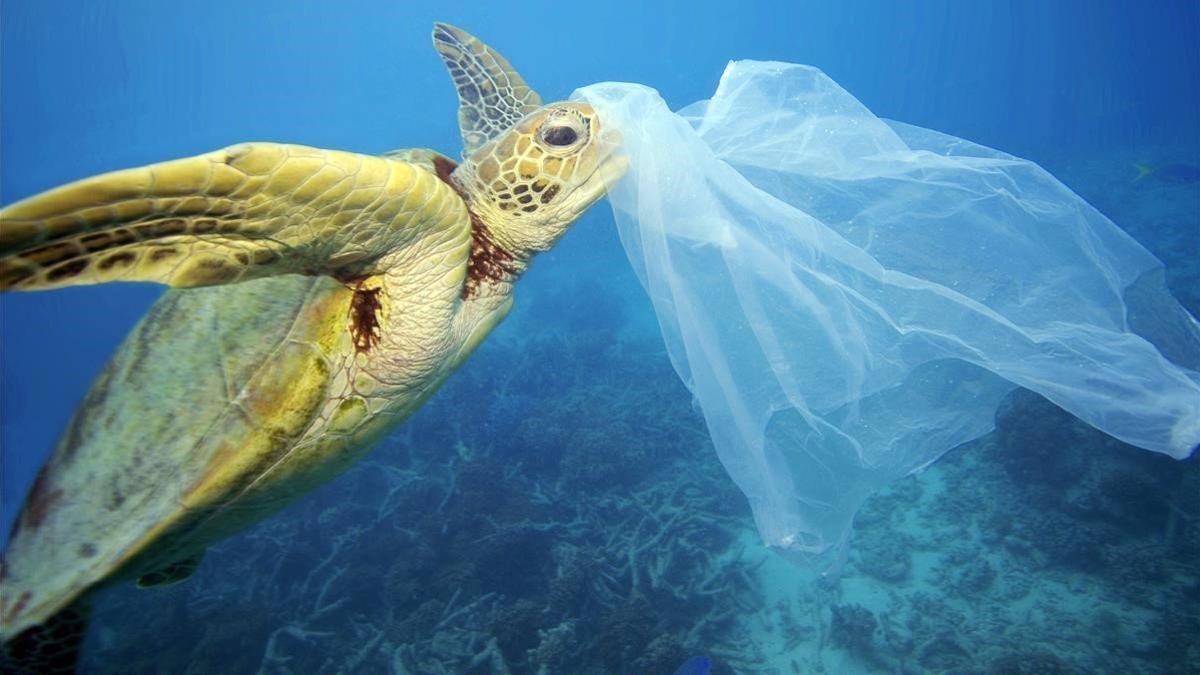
point(697, 665)
point(1171, 173)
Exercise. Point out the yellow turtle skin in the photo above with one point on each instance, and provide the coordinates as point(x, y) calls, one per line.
point(321, 297)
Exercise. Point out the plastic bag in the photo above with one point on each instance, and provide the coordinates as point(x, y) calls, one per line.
point(849, 298)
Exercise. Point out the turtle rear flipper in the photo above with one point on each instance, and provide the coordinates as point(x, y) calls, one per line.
point(248, 211)
point(172, 574)
point(51, 648)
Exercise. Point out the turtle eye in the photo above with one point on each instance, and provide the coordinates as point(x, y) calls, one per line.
point(560, 137)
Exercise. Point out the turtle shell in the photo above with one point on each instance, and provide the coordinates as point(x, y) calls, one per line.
point(198, 402)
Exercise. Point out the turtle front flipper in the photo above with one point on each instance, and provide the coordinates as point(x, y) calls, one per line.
point(244, 212)
point(492, 96)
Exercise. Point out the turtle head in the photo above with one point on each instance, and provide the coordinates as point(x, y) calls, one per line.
point(531, 182)
point(529, 170)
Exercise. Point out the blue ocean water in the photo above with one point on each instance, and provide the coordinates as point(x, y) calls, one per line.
point(614, 542)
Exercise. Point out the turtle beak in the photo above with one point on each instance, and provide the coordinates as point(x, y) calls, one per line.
point(612, 169)
point(613, 163)
point(603, 179)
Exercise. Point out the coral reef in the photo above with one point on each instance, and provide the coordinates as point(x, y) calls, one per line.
point(1033, 663)
point(886, 559)
point(852, 627)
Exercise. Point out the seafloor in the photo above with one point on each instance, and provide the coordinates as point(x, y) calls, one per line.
point(558, 509)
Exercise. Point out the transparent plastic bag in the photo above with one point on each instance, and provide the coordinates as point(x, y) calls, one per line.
point(848, 298)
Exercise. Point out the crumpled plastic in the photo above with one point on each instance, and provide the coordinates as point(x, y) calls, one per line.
point(848, 298)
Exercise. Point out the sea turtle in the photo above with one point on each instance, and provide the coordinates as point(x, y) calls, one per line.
point(362, 282)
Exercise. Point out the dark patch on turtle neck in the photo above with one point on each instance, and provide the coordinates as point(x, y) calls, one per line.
point(364, 317)
point(443, 167)
point(489, 261)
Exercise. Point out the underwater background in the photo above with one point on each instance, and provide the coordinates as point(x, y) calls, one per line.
point(558, 507)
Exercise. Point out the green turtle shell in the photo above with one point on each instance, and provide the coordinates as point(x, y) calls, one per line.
point(169, 406)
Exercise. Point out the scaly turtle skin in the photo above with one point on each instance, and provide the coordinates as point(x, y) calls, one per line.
point(362, 283)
